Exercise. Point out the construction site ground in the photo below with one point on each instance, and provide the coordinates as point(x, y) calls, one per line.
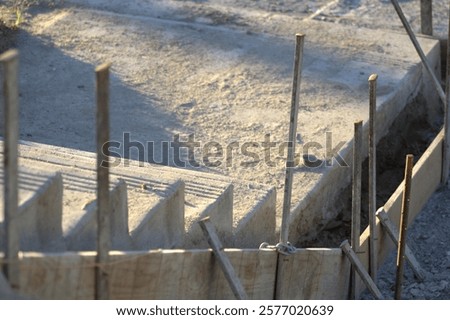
point(222, 70)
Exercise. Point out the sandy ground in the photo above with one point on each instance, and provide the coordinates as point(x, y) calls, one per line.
point(221, 70)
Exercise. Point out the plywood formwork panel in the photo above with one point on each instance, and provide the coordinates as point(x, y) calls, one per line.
point(160, 274)
point(314, 274)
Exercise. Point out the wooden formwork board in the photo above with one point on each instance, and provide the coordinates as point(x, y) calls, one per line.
point(314, 274)
point(159, 274)
point(181, 274)
point(426, 179)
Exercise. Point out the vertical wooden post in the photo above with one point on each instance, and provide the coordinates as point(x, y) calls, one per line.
point(446, 149)
point(10, 62)
point(403, 226)
point(284, 233)
point(103, 210)
point(426, 17)
point(356, 201)
point(372, 176)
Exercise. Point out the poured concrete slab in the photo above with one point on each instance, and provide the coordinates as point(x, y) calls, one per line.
point(225, 81)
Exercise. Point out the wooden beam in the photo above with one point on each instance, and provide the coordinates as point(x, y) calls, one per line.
point(313, 274)
point(290, 162)
point(224, 262)
point(393, 233)
point(103, 210)
point(10, 63)
point(351, 255)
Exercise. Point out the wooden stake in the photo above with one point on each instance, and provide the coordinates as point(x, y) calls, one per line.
point(373, 252)
point(356, 200)
point(446, 149)
point(103, 210)
point(426, 17)
point(403, 226)
point(393, 233)
point(284, 234)
point(359, 267)
point(419, 50)
point(224, 262)
point(10, 62)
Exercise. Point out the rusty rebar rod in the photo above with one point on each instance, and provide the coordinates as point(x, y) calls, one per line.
point(373, 252)
point(356, 200)
point(290, 162)
point(403, 226)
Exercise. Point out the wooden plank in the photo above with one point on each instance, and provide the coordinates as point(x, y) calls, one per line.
point(147, 275)
point(298, 61)
point(426, 179)
point(365, 277)
point(10, 62)
point(392, 231)
point(103, 214)
point(224, 262)
point(57, 276)
point(255, 268)
point(312, 274)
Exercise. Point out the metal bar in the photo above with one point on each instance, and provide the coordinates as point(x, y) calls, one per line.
point(103, 210)
point(372, 176)
point(403, 227)
point(419, 50)
point(446, 149)
point(224, 262)
point(392, 232)
point(10, 62)
point(359, 267)
point(356, 200)
point(426, 17)
point(284, 234)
